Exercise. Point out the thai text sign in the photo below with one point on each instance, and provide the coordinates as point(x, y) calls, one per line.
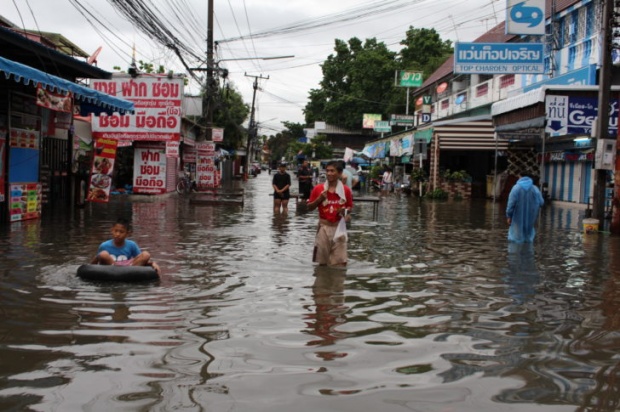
point(402, 119)
point(525, 17)
point(207, 175)
point(101, 170)
point(576, 115)
point(149, 170)
point(382, 126)
point(157, 102)
point(409, 79)
point(497, 58)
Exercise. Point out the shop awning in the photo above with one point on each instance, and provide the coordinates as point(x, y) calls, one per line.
point(27, 75)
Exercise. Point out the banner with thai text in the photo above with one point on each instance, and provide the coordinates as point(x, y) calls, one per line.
point(207, 174)
point(157, 101)
point(149, 170)
point(101, 170)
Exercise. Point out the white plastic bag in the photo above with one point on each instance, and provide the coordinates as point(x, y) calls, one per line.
point(341, 232)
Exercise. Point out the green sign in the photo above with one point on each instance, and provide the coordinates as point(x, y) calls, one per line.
point(402, 120)
point(409, 79)
point(382, 126)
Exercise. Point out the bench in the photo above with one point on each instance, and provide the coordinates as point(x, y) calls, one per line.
point(369, 199)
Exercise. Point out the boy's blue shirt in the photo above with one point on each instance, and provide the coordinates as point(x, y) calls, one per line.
point(128, 251)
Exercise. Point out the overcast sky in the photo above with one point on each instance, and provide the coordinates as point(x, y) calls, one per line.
point(93, 23)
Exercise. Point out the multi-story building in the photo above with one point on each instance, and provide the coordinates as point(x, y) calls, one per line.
point(488, 124)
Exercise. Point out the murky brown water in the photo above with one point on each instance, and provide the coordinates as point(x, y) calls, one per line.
point(435, 312)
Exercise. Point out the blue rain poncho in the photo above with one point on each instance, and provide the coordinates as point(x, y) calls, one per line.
point(524, 203)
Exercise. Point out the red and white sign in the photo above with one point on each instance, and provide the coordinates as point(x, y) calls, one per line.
point(157, 101)
point(217, 135)
point(207, 175)
point(172, 149)
point(149, 171)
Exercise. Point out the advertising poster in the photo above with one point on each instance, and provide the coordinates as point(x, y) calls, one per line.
point(157, 101)
point(25, 201)
point(54, 101)
point(149, 170)
point(207, 175)
point(101, 171)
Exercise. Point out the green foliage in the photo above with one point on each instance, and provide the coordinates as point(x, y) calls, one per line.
point(358, 78)
point(424, 50)
point(456, 176)
point(375, 171)
point(437, 194)
point(418, 175)
point(230, 112)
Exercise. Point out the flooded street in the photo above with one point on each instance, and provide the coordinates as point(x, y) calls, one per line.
point(436, 312)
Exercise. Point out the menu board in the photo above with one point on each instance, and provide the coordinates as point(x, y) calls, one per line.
point(23, 138)
point(25, 201)
point(101, 171)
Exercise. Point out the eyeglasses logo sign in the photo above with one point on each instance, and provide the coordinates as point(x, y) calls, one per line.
point(525, 17)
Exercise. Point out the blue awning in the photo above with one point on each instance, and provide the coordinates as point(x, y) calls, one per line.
point(27, 75)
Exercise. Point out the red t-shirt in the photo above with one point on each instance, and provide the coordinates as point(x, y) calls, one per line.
point(328, 209)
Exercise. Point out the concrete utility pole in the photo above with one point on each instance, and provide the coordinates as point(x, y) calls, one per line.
point(207, 100)
point(252, 129)
point(602, 120)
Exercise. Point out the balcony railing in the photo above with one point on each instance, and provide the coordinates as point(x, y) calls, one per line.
point(477, 95)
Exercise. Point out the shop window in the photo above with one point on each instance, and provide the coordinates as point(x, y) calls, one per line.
point(507, 80)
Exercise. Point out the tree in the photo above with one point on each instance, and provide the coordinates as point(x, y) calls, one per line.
point(229, 113)
point(358, 78)
point(280, 144)
point(424, 50)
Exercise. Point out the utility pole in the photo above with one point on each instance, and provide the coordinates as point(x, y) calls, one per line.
point(207, 99)
point(252, 129)
point(602, 120)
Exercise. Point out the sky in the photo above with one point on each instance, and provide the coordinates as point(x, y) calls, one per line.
point(247, 31)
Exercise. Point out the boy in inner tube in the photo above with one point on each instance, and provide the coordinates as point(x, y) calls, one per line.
point(121, 251)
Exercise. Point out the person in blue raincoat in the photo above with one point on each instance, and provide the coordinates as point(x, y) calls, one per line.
point(524, 203)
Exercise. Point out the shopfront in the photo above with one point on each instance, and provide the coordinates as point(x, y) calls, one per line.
point(36, 137)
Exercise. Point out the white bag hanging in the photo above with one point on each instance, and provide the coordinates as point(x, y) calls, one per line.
point(341, 231)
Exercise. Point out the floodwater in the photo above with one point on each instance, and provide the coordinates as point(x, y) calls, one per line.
point(436, 312)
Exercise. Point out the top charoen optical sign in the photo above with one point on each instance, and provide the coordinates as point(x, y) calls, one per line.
point(525, 17)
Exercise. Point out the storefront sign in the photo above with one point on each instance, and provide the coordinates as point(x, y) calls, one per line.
point(217, 135)
point(568, 157)
point(157, 102)
point(369, 119)
point(149, 170)
point(402, 119)
point(101, 171)
point(25, 201)
point(172, 149)
point(54, 101)
point(525, 17)
point(409, 79)
point(497, 58)
point(576, 115)
point(382, 126)
point(26, 139)
point(207, 175)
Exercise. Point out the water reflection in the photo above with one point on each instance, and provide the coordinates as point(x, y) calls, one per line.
point(329, 309)
point(522, 276)
point(436, 311)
